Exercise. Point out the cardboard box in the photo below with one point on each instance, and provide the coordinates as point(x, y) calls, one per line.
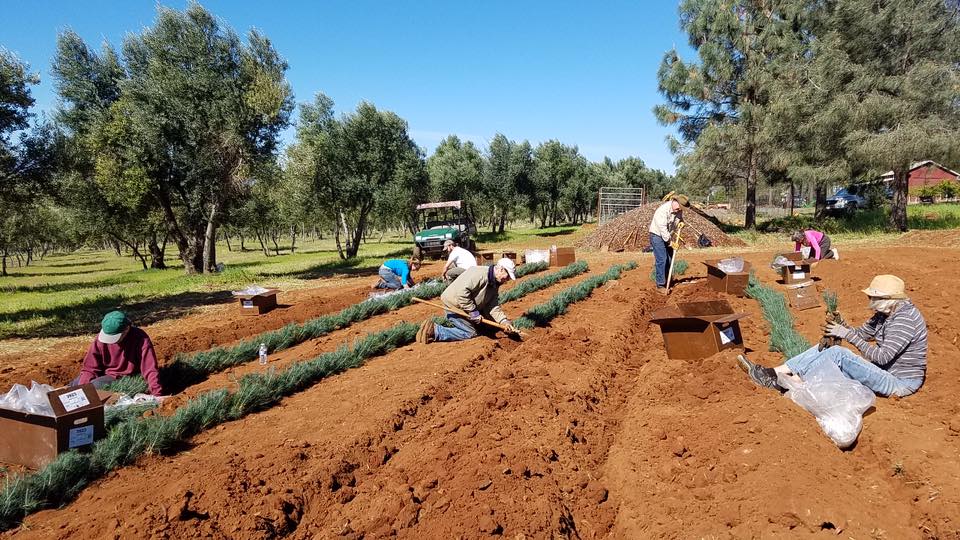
point(694, 330)
point(803, 296)
point(562, 256)
point(512, 255)
point(733, 283)
point(800, 272)
point(34, 440)
point(258, 304)
point(486, 257)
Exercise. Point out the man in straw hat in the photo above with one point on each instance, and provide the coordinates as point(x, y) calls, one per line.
point(665, 220)
point(893, 365)
point(120, 350)
point(477, 293)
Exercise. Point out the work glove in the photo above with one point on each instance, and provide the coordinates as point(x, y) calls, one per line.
point(836, 330)
point(510, 328)
point(475, 317)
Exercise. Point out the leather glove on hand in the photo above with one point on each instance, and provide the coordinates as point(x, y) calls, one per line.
point(836, 330)
point(475, 317)
point(510, 328)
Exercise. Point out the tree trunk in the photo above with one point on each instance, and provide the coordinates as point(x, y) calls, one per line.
point(226, 237)
point(273, 238)
point(898, 208)
point(3, 267)
point(156, 253)
point(820, 200)
point(791, 197)
point(346, 232)
point(242, 247)
point(293, 239)
point(210, 240)
point(136, 252)
point(750, 216)
point(188, 254)
point(262, 245)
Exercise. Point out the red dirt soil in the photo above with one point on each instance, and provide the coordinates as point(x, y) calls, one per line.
point(584, 430)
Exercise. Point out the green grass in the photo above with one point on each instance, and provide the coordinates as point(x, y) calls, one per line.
point(869, 222)
point(533, 237)
point(68, 294)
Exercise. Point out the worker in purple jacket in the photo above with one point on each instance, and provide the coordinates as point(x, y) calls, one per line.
point(817, 242)
point(120, 350)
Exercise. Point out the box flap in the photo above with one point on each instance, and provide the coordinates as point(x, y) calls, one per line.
point(74, 399)
point(712, 263)
point(730, 318)
point(709, 311)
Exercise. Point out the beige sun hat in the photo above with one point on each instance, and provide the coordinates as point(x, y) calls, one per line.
point(886, 286)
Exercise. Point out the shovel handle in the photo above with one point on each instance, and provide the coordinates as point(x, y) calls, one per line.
point(462, 313)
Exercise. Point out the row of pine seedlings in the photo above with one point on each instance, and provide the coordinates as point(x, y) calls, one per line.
point(132, 435)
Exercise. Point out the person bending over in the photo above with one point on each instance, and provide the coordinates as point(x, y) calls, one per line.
point(816, 243)
point(458, 261)
point(477, 293)
point(665, 220)
point(395, 274)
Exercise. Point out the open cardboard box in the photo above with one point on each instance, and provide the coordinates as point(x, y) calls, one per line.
point(562, 256)
point(803, 296)
point(800, 272)
point(699, 329)
point(734, 283)
point(258, 304)
point(34, 440)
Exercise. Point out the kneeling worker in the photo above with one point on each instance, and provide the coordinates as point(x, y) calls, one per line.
point(395, 274)
point(894, 365)
point(120, 350)
point(476, 292)
point(458, 261)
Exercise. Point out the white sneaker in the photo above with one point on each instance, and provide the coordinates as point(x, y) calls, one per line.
point(836, 254)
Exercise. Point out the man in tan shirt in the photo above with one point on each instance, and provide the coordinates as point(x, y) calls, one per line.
point(665, 220)
point(475, 292)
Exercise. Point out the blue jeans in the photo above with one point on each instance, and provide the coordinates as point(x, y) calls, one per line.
point(882, 382)
point(661, 258)
point(388, 279)
point(462, 329)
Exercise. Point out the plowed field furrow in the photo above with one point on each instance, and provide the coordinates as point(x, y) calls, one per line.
point(243, 475)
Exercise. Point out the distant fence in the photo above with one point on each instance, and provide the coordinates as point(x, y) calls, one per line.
point(613, 201)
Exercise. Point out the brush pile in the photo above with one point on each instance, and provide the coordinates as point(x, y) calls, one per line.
point(629, 232)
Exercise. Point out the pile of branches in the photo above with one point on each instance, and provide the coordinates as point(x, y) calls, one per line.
point(630, 231)
point(784, 338)
point(189, 370)
point(557, 305)
point(132, 437)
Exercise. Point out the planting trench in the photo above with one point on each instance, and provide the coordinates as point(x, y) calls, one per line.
point(584, 430)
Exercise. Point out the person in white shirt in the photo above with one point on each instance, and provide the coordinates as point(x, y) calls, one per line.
point(665, 220)
point(458, 261)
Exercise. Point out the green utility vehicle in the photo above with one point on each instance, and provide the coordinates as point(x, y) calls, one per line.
point(442, 221)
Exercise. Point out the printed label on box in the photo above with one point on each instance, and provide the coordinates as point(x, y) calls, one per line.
point(80, 436)
point(798, 275)
point(727, 335)
point(246, 303)
point(74, 400)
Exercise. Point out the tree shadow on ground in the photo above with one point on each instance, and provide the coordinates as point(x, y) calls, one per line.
point(84, 317)
point(121, 279)
point(73, 264)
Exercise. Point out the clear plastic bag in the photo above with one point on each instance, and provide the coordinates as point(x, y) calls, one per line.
point(33, 400)
point(251, 291)
point(837, 401)
point(732, 265)
point(780, 262)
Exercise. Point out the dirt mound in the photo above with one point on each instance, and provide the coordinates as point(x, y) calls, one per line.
point(628, 232)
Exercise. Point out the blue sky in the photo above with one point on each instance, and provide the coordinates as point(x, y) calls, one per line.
point(580, 72)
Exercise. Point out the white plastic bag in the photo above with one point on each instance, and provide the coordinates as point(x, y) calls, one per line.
point(139, 399)
point(33, 400)
point(780, 262)
point(251, 291)
point(837, 401)
point(732, 265)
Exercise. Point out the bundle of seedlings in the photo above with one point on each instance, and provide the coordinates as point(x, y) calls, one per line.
point(833, 316)
point(784, 338)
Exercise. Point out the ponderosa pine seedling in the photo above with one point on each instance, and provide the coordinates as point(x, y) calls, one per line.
point(831, 301)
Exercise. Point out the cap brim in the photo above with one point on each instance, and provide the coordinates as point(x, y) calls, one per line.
point(109, 339)
point(511, 274)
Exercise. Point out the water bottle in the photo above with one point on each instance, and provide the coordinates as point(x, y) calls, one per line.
point(263, 354)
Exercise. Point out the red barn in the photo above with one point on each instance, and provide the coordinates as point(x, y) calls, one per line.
point(926, 173)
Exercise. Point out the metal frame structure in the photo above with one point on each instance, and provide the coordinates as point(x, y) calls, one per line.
point(613, 201)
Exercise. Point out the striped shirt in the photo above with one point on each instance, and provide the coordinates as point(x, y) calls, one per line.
point(900, 342)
